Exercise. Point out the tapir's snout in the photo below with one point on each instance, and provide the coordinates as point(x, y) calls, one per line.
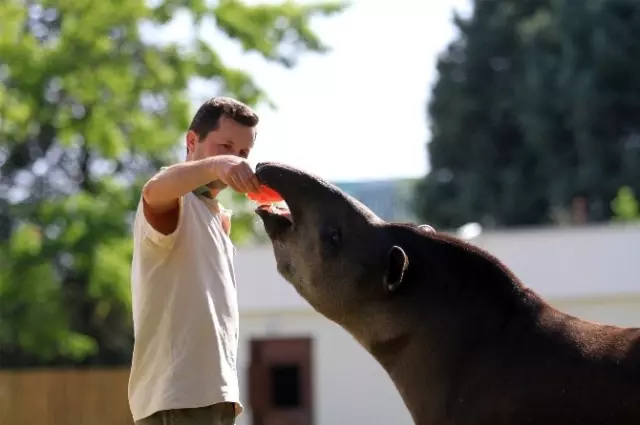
point(296, 187)
point(307, 196)
point(293, 186)
point(271, 172)
point(289, 182)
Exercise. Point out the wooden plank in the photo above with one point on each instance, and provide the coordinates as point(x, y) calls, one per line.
point(65, 397)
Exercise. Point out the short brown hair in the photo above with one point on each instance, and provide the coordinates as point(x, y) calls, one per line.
point(207, 118)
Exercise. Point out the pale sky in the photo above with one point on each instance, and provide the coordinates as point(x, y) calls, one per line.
point(358, 112)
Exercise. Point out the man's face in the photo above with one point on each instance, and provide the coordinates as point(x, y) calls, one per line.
point(230, 138)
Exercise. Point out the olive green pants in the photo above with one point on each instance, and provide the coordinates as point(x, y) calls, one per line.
point(217, 414)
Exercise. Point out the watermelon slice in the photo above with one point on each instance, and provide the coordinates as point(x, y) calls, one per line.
point(266, 196)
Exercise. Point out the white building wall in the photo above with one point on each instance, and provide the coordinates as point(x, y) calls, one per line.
point(621, 311)
point(349, 386)
point(571, 261)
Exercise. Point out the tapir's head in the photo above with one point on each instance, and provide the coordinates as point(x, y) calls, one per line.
point(380, 279)
point(342, 258)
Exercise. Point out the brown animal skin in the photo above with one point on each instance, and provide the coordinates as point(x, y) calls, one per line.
point(463, 340)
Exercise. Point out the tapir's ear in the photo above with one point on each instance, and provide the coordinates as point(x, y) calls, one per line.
point(426, 228)
point(397, 265)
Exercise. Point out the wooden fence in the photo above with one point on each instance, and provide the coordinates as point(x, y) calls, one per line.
point(64, 397)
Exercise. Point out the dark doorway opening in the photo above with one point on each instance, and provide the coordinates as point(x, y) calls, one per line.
point(285, 385)
point(280, 383)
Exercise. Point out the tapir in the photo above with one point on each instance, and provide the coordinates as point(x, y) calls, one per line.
point(463, 340)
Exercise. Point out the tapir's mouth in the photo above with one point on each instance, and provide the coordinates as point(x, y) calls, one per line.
point(274, 210)
point(277, 219)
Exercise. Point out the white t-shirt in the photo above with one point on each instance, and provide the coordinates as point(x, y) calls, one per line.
point(185, 313)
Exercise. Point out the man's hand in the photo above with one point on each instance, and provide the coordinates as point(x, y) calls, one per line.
point(236, 173)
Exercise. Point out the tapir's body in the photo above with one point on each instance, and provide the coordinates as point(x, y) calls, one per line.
point(462, 339)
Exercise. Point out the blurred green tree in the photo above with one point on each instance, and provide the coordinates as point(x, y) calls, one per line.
point(536, 104)
point(89, 108)
point(625, 205)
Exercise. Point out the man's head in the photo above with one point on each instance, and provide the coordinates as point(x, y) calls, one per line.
point(221, 126)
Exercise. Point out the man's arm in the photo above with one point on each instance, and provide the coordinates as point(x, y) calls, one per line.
point(161, 194)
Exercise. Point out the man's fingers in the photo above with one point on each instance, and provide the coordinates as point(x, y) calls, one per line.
point(242, 179)
point(246, 179)
point(251, 181)
point(235, 184)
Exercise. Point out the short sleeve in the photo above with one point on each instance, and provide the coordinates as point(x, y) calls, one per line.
point(149, 233)
point(225, 219)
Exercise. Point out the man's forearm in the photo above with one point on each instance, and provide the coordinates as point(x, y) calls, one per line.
point(175, 181)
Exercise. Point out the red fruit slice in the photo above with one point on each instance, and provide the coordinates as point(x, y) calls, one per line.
point(265, 196)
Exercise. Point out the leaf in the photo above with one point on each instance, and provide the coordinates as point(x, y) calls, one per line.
point(26, 240)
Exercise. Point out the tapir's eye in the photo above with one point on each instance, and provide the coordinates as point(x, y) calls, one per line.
point(332, 236)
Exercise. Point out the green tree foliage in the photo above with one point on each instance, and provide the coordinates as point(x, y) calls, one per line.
point(537, 102)
point(89, 108)
point(625, 206)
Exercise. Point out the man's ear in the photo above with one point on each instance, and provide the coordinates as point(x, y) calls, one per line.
point(397, 265)
point(191, 139)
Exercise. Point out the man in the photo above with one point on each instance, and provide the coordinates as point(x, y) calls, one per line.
point(185, 310)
